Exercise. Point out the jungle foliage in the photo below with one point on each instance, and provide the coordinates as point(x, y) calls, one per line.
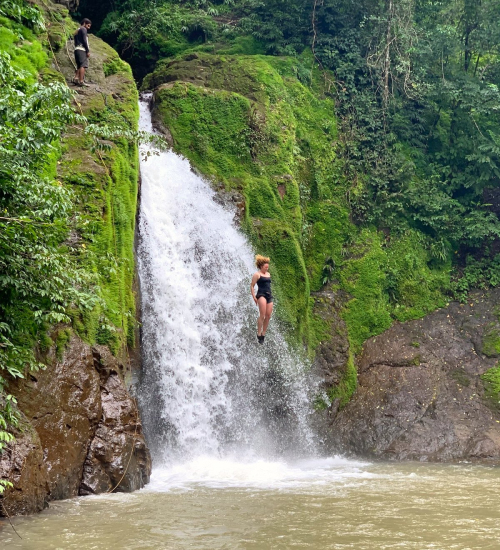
point(36, 275)
point(415, 84)
point(402, 211)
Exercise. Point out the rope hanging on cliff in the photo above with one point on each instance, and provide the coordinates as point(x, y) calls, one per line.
point(10, 520)
point(132, 450)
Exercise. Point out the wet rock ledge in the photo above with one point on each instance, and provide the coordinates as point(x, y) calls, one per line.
point(80, 432)
point(428, 389)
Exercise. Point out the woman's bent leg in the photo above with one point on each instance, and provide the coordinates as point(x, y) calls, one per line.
point(269, 312)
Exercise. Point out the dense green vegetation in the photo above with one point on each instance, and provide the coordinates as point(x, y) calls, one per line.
point(249, 122)
point(412, 172)
point(364, 137)
point(68, 187)
point(109, 185)
point(243, 132)
point(36, 276)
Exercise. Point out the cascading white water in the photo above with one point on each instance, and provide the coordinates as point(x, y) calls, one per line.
point(208, 386)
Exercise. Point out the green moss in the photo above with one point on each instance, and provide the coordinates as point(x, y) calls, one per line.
point(413, 286)
point(24, 49)
point(491, 341)
point(345, 389)
point(45, 342)
point(116, 65)
point(244, 121)
point(48, 75)
point(327, 228)
point(105, 188)
point(389, 281)
point(416, 360)
point(59, 25)
point(460, 377)
point(491, 381)
point(210, 126)
point(62, 339)
point(320, 330)
point(256, 124)
point(243, 45)
point(363, 277)
point(106, 206)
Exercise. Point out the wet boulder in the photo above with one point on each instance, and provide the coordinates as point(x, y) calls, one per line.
point(117, 458)
point(422, 394)
point(22, 464)
point(80, 434)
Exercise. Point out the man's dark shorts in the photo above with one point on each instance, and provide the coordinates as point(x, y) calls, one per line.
point(81, 59)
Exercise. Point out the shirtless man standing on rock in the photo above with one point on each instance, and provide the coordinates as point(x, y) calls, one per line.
point(82, 52)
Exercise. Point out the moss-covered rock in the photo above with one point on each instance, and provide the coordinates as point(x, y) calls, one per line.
point(491, 341)
point(248, 122)
point(104, 183)
point(237, 120)
point(21, 44)
point(49, 455)
point(333, 363)
point(435, 402)
point(491, 381)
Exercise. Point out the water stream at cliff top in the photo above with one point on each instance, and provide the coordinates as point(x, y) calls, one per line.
point(235, 463)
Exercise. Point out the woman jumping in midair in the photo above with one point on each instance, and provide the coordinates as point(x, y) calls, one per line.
point(264, 298)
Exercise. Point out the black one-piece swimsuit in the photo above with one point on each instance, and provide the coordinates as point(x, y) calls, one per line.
point(264, 289)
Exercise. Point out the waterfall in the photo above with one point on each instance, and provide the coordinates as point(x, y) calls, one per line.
point(208, 387)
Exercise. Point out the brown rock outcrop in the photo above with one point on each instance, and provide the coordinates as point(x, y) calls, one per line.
point(83, 435)
point(331, 362)
point(22, 464)
point(420, 395)
point(332, 355)
point(117, 456)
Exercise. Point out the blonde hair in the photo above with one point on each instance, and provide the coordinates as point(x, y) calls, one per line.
point(261, 260)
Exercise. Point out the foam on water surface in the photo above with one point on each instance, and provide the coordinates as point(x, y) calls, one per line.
point(208, 471)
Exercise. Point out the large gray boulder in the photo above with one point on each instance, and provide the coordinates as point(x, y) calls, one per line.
point(420, 393)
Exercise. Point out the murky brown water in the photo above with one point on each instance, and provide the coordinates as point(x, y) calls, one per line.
point(330, 504)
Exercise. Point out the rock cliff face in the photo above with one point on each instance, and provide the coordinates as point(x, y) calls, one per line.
point(81, 433)
point(422, 394)
point(332, 354)
point(79, 430)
